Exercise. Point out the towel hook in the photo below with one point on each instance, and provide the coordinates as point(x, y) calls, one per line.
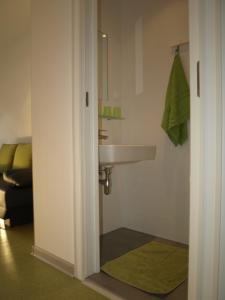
point(177, 51)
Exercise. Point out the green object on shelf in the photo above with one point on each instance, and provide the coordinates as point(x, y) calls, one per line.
point(111, 113)
point(117, 112)
point(107, 111)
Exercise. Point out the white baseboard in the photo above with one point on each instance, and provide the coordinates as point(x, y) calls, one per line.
point(53, 260)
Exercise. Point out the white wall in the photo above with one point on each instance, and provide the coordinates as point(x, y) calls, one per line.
point(52, 126)
point(111, 23)
point(15, 101)
point(152, 196)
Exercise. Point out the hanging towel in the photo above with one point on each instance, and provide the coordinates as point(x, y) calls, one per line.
point(177, 105)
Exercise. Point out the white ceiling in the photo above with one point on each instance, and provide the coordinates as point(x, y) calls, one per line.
point(14, 19)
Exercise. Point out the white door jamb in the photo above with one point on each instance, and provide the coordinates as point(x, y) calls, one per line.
point(222, 231)
point(206, 156)
point(86, 194)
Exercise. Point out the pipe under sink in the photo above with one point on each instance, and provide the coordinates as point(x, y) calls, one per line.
point(110, 155)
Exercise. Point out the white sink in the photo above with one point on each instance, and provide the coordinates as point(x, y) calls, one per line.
point(120, 154)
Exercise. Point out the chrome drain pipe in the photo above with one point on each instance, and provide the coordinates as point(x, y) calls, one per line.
point(107, 180)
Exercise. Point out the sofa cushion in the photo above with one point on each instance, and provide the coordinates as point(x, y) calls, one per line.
point(7, 152)
point(15, 196)
point(18, 177)
point(22, 157)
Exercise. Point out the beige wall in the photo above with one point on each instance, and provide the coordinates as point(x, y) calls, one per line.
point(15, 101)
point(152, 196)
point(52, 127)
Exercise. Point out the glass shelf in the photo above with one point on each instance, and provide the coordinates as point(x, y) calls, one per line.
point(111, 118)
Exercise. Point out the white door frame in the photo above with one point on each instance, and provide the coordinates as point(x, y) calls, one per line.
point(222, 231)
point(206, 141)
point(86, 194)
point(206, 156)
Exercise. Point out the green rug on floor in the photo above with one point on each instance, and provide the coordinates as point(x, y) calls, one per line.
point(156, 268)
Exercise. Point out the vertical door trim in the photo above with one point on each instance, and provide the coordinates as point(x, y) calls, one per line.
point(222, 232)
point(206, 156)
point(86, 207)
point(195, 136)
point(78, 45)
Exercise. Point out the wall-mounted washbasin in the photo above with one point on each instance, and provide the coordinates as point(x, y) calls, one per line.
point(120, 154)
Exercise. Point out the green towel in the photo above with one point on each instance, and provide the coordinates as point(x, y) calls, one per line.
point(177, 106)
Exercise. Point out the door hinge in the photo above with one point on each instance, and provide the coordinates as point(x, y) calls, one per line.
point(198, 78)
point(87, 99)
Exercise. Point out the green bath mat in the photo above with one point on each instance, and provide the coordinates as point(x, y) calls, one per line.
point(155, 268)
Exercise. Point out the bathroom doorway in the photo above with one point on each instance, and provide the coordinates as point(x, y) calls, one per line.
point(89, 263)
point(145, 201)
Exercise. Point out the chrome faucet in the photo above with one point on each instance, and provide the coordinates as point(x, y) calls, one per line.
point(102, 136)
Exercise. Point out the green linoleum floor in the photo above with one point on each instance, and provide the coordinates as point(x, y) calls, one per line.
point(24, 277)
